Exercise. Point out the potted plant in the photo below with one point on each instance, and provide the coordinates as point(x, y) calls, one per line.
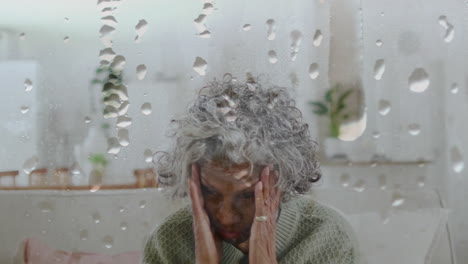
point(99, 163)
point(334, 107)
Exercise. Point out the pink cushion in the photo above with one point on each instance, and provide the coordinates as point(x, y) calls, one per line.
point(37, 252)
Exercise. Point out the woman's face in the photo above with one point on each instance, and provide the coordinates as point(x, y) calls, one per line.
point(229, 195)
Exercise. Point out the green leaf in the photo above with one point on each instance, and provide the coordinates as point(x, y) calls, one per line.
point(95, 81)
point(320, 108)
point(344, 96)
point(328, 96)
point(346, 117)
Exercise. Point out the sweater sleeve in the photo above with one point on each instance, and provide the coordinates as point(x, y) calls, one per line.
point(152, 252)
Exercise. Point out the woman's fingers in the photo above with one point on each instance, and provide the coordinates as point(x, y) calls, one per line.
point(195, 192)
point(266, 184)
point(259, 203)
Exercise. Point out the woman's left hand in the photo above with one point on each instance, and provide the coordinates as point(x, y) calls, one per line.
point(262, 240)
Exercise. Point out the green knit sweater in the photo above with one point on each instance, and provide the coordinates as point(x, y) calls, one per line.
point(307, 232)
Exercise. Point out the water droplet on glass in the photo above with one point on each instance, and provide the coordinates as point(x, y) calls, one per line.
point(200, 66)
point(123, 226)
point(376, 135)
point(141, 71)
point(66, 39)
point(22, 36)
point(118, 64)
point(384, 107)
point(140, 28)
point(200, 23)
point(382, 182)
point(272, 56)
point(24, 109)
point(75, 168)
point(271, 29)
point(397, 199)
point(457, 160)
point(208, 8)
point(123, 108)
point(382, 14)
point(87, 120)
point(108, 241)
point(95, 188)
point(317, 38)
point(112, 100)
point(414, 129)
point(148, 154)
point(379, 69)
point(314, 71)
point(28, 85)
point(421, 181)
point(105, 31)
point(123, 121)
point(419, 80)
point(142, 204)
point(113, 145)
point(96, 218)
point(46, 206)
point(379, 43)
point(247, 27)
point(449, 29)
point(146, 108)
point(30, 164)
point(205, 34)
point(27, 214)
point(84, 234)
point(109, 20)
point(454, 88)
point(66, 19)
point(107, 54)
point(296, 38)
point(123, 136)
point(110, 112)
point(344, 179)
point(49, 220)
point(359, 185)
point(121, 209)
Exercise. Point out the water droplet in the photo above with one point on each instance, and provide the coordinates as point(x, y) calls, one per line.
point(208, 8)
point(140, 28)
point(344, 179)
point(379, 43)
point(271, 29)
point(317, 38)
point(314, 71)
point(421, 181)
point(419, 80)
point(24, 109)
point(382, 14)
point(66, 39)
point(123, 108)
point(108, 241)
point(49, 220)
point(123, 226)
point(123, 136)
point(454, 88)
point(397, 199)
point(382, 180)
point(296, 38)
point(272, 56)
point(105, 31)
point(146, 108)
point(109, 20)
point(75, 168)
point(376, 135)
point(30, 164)
point(148, 154)
point(457, 160)
point(384, 107)
point(449, 29)
point(95, 188)
point(247, 27)
point(112, 100)
point(107, 54)
point(141, 71)
point(46, 206)
point(110, 112)
point(142, 204)
point(121, 209)
point(113, 145)
point(359, 186)
point(379, 69)
point(96, 218)
point(123, 121)
point(200, 23)
point(84, 234)
point(118, 64)
point(66, 19)
point(27, 214)
point(205, 34)
point(87, 120)
point(414, 129)
point(22, 36)
point(200, 66)
point(28, 85)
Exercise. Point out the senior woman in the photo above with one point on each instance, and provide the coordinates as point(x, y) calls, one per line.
point(247, 161)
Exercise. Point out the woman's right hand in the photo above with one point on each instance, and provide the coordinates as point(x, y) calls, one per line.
point(208, 246)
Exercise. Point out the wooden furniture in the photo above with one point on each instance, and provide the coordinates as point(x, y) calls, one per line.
point(12, 174)
point(146, 178)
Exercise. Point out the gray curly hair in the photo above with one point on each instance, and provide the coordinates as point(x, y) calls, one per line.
point(234, 122)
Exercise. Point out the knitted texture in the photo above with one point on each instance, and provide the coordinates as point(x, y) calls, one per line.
point(307, 232)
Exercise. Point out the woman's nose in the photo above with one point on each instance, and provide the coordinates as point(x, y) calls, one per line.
point(228, 214)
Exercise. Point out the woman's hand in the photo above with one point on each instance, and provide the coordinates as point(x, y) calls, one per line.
point(208, 246)
point(263, 233)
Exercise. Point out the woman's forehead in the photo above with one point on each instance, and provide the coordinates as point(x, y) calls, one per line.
point(234, 172)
